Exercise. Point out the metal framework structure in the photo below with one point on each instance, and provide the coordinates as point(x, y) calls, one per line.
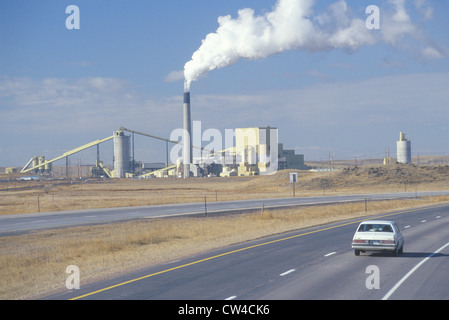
point(43, 163)
point(64, 155)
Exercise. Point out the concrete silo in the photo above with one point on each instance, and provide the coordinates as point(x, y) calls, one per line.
point(404, 149)
point(122, 152)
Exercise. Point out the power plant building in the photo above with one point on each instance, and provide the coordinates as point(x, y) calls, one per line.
point(256, 150)
point(288, 159)
point(404, 149)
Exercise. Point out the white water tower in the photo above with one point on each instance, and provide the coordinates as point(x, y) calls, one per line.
point(404, 149)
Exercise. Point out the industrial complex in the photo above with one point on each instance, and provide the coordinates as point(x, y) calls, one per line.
point(254, 151)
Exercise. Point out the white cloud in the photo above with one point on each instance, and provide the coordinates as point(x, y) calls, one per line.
point(289, 26)
point(76, 111)
point(373, 101)
point(293, 25)
point(174, 76)
point(425, 9)
point(84, 104)
point(396, 23)
point(61, 92)
point(434, 52)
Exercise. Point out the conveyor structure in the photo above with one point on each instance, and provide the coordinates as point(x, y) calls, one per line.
point(64, 155)
point(124, 164)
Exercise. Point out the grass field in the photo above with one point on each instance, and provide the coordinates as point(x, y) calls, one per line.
point(34, 264)
point(44, 196)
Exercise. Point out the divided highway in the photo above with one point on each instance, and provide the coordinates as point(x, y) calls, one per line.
point(18, 223)
point(315, 263)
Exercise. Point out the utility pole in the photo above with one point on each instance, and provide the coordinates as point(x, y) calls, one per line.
point(331, 160)
point(387, 156)
point(79, 168)
point(166, 153)
point(66, 167)
point(133, 162)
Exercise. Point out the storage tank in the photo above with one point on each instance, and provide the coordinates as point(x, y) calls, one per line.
point(35, 163)
point(404, 149)
point(39, 160)
point(48, 167)
point(122, 148)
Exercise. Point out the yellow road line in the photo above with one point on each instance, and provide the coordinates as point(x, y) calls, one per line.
point(250, 247)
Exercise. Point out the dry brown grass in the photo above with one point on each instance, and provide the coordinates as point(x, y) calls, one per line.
point(32, 196)
point(35, 263)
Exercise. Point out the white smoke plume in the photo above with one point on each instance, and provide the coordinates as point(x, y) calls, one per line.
point(291, 25)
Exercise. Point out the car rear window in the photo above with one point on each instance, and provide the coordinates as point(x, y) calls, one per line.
point(375, 228)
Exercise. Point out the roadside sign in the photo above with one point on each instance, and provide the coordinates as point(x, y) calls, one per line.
point(293, 177)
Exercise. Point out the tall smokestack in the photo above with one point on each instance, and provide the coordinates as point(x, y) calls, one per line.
point(187, 152)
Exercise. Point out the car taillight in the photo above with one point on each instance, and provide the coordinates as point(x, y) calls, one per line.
point(388, 241)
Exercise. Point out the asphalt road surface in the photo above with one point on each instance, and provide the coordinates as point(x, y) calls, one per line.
point(315, 263)
point(19, 223)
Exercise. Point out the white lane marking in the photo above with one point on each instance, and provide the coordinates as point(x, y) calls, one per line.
point(287, 272)
point(329, 254)
point(438, 217)
point(411, 272)
point(406, 227)
point(231, 298)
point(91, 216)
point(423, 221)
point(174, 261)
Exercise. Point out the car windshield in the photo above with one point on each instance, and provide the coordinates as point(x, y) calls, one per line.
point(375, 228)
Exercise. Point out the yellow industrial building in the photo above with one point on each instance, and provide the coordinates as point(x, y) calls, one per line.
point(256, 150)
point(259, 152)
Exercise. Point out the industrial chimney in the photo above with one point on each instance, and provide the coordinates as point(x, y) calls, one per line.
point(187, 152)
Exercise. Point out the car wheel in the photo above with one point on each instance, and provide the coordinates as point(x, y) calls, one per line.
point(396, 251)
point(357, 252)
point(402, 249)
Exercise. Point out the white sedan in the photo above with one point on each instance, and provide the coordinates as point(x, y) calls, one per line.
point(378, 235)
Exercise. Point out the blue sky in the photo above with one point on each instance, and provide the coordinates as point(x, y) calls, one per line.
point(61, 88)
